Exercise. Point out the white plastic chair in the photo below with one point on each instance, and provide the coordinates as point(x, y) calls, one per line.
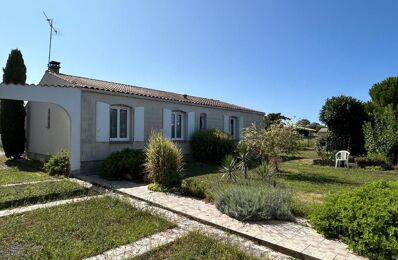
point(342, 156)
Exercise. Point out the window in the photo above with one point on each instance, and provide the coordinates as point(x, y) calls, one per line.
point(233, 127)
point(48, 118)
point(119, 123)
point(177, 125)
point(202, 121)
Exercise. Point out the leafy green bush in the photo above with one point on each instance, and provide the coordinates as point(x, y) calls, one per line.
point(326, 146)
point(128, 162)
point(374, 160)
point(248, 203)
point(163, 161)
point(194, 187)
point(58, 164)
point(366, 219)
point(211, 146)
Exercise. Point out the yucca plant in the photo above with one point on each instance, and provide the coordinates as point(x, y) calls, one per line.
point(243, 157)
point(228, 167)
point(266, 172)
point(163, 161)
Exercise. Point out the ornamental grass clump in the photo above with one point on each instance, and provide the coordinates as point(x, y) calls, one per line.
point(253, 204)
point(163, 161)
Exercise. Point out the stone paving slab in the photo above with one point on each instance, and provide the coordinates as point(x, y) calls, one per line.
point(8, 212)
point(286, 237)
point(142, 246)
point(29, 182)
point(184, 226)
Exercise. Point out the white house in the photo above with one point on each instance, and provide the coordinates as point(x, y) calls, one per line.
point(94, 118)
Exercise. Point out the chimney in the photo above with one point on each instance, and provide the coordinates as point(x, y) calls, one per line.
point(54, 66)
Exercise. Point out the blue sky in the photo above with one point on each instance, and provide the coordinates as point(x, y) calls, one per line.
point(274, 56)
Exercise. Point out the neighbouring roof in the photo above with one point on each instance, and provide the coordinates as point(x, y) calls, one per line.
point(96, 84)
point(323, 130)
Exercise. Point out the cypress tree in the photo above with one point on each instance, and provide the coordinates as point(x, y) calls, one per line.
point(12, 112)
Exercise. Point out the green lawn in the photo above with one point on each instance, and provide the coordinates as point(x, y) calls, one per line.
point(309, 183)
point(13, 175)
point(19, 195)
point(75, 231)
point(196, 246)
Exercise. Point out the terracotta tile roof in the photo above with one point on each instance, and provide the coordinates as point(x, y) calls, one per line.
point(95, 84)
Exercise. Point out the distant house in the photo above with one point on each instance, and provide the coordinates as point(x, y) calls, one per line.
point(114, 116)
point(322, 132)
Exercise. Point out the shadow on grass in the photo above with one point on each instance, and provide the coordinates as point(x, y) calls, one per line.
point(26, 165)
point(315, 178)
point(198, 169)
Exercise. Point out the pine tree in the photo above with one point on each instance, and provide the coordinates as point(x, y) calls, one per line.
point(12, 112)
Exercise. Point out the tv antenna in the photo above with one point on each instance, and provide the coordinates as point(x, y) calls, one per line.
point(52, 29)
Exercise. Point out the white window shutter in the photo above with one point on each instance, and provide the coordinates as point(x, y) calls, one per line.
point(139, 124)
point(241, 125)
point(191, 124)
point(226, 123)
point(102, 122)
point(166, 123)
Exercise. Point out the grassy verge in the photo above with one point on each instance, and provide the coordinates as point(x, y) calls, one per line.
point(13, 175)
point(77, 230)
point(40, 192)
point(196, 246)
point(310, 184)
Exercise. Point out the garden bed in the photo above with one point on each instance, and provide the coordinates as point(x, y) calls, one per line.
point(310, 184)
point(77, 230)
point(19, 195)
point(196, 246)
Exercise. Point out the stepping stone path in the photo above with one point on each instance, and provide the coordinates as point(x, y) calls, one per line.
point(184, 226)
point(289, 238)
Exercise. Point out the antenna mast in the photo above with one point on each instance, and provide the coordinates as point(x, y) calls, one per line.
point(50, 22)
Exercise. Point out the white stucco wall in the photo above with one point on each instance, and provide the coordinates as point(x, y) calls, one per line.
point(41, 139)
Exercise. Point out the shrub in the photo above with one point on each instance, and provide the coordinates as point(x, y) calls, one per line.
point(325, 147)
point(271, 143)
point(194, 187)
point(126, 163)
point(374, 160)
point(344, 116)
point(163, 161)
point(364, 218)
point(248, 203)
point(58, 164)
point(211, 146)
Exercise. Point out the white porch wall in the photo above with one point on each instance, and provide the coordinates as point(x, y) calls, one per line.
point(43, 140)
point(66, 97)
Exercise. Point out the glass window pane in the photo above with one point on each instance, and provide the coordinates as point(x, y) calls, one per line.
point(173, 119)
point(232, 127)
point(123, 123)
point(179, 126)
point(113, 123)
point(202, 122)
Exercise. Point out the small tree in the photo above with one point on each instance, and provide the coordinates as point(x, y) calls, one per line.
point(270, 144)
point(381, 134)
point(274, 119)
point(12, 112)
point(385, 93)
point(344, 116)
point(303, 122)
